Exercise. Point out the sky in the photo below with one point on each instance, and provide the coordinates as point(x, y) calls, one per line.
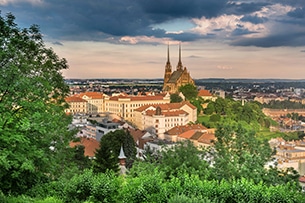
point(129, 38)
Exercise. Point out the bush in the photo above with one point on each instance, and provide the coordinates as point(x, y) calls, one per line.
point(101, 187)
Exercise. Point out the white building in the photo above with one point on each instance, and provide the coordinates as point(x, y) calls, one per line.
point(157, 119)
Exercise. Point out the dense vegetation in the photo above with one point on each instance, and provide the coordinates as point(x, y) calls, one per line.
point(284, 105)
point(33, 125)
point(36, 164)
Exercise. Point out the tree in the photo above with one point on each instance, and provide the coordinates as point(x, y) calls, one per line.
point(239, 154)
point(110, 145)
point(183, 157)
point(189, 91)
point(175, 98)
point(33, 125)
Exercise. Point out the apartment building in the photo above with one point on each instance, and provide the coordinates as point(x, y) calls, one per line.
point(77, 105)
point(95, 101)
point(157, 119)
point(125, 105)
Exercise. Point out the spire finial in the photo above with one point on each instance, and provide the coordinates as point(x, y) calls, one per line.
point(180, 52)
point(122, 154)
point(179, 66)
point(168, 52)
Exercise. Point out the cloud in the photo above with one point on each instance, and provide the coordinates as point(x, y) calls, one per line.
point(297, 13)
point(33, 2)
point(238, 23)
point(223, 67)
point(255, 19)
point(57, 43)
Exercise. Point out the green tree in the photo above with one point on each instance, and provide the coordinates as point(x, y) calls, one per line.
point(210, 108)
point(239, 154)
point(183, 157)
point(189, 91)
point(110, 145)
point(221, 106)
point(175, 98)
point(33, 125)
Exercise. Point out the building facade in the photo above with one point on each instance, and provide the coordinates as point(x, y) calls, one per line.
point(124, 105)
point(77, 105)
point(95, 101)
point(157, 119)
point(175, 79)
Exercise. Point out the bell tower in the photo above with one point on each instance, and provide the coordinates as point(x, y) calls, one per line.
point(168, 67)
point(179, 65)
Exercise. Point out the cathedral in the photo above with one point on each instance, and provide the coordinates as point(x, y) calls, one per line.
point(175, 79)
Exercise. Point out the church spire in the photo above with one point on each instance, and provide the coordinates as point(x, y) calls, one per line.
point(179, 66)
point(168, 62)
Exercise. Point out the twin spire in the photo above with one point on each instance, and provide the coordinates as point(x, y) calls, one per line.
point(179, 66)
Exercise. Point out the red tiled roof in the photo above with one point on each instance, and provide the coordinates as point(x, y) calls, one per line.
point(92, 95)
point(302, 179)
point(188, 134)
point(74, 99)
point(167, 106)
point(137, 137)
point(204, 93)
point(90, 144)
point(166, 113)
point(177, 130)
point(136, 98)
point(207, 138)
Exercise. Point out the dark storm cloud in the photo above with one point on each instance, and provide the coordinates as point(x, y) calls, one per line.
point(241, 31)
point(160, 10)
point(254, 19)
point(186, 37)
point(244, 8)
point(57, 43)
point(297, 13)
point(97, 20)
point(295, 39)
point(100, 20)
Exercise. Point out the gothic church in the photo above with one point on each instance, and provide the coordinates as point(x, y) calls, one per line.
point(175, 79)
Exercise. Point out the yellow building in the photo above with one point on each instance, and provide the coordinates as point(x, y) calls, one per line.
point(159, 118)
point(175, 79)
point(95, 101)
point(206, 95)
point(76, 105)
point(124, 105)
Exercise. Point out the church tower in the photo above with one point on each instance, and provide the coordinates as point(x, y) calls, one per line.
point(179, 65)
point(173, 80)
point(168, 67)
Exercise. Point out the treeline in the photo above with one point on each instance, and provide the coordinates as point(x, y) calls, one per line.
point(232, 171)
point(249, 112)
point(37, 164)
point(284, 105)
point(152, 187)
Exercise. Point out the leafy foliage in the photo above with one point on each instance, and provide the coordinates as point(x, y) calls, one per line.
point(175, 98)
point(239, 154)
point(89, 186)
point(33, 125)
point(250, 112)
point(284, 105)
point(189, 91)
point(110, 145)
point(183, 157)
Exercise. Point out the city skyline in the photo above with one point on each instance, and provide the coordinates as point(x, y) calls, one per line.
point(129, 39)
